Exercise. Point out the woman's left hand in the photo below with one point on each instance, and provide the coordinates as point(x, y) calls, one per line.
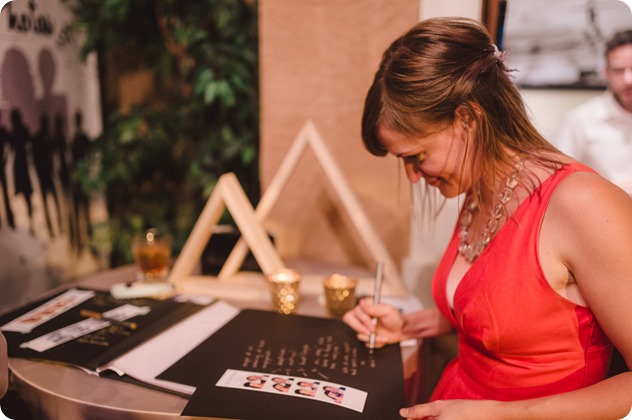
point(454, 410)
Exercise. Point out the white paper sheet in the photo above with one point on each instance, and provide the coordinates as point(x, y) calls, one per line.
point(151, 358)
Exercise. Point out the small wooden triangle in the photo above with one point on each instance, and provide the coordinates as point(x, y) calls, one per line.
point(227, 194)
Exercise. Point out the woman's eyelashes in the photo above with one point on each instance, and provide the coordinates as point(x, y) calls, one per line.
point(415, 159)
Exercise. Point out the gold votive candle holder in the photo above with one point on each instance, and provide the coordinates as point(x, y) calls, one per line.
point(340, 296)
point(284, 290)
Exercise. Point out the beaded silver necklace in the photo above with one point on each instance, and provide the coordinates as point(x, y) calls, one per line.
point(471, 251)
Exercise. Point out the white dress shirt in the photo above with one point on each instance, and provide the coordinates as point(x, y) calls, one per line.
point(598, 133)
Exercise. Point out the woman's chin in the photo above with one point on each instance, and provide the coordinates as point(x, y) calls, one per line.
point(448, 190)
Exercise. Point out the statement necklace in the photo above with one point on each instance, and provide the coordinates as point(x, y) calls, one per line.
point(471, 251)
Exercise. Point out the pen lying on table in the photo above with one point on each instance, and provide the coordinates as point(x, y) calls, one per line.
point(377, 291)
point(96, 315)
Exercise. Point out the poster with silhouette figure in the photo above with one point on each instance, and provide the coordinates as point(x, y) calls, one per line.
point(49, 112)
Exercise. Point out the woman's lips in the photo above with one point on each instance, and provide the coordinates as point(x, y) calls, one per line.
point(434, 182)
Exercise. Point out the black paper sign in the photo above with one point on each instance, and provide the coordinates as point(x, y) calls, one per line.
point(294, 347)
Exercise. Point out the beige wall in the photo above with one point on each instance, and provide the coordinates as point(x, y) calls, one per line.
point(432, 8)
point(318, 58)
point(547, 107)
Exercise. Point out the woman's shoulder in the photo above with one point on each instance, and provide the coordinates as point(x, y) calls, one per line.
point(561, 175)
point(582, 185)
point(586, 202)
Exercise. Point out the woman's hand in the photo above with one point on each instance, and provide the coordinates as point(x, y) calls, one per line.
point(393, 326)
point(390, 322)
point(455, 410)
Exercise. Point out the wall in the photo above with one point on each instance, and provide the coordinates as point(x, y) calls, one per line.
point(468, 8)
point(548, 106)
point(317, 59)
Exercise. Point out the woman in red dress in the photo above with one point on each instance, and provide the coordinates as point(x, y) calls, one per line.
point(537, 277)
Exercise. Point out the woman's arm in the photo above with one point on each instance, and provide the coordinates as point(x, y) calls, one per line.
point(609, 399)
point(591, 222)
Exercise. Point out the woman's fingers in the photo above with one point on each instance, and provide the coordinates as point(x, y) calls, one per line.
point(358, 320)
point(420, 411)
point(389, 322)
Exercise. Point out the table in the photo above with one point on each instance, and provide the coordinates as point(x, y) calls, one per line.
point(54, 391)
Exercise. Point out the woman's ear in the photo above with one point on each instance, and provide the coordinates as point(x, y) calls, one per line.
point(464, 115)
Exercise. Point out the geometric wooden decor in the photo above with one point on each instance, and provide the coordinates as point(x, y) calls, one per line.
point(309, 137)
point(227, 194)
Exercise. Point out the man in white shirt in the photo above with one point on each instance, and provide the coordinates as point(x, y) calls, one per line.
point(599, 132)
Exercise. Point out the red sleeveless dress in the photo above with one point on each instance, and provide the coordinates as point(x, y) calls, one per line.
point(518, 338)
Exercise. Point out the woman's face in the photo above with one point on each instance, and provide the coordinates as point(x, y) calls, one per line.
point(619, 74)
point(437, 157)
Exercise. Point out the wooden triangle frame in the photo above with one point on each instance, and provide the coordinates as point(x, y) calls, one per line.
point(309, 136)
point(227, 194)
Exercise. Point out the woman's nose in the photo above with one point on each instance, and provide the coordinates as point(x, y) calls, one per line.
point(413, 171)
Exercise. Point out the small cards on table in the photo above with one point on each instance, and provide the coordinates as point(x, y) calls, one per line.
point(48, 310)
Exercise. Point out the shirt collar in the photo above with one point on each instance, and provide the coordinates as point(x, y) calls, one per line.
point(613, 109)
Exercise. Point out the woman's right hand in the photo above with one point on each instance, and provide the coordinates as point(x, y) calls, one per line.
point(393, 326)
point(389, 327)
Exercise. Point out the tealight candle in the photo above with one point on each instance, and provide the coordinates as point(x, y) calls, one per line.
point(284, 289)
point(339, 294)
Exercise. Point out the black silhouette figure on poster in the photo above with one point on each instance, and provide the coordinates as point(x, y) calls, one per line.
point(18, 87)
point(55, 105)
point(60, 151)
point(4, 148)
point(19, 139)
point(50, 102)
point(18, 92)
point(81, 201)
point(43, 161)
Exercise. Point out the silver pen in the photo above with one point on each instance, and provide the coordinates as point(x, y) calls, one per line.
point(377, 291)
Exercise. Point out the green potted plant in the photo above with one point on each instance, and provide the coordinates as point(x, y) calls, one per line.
point(158, 160)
